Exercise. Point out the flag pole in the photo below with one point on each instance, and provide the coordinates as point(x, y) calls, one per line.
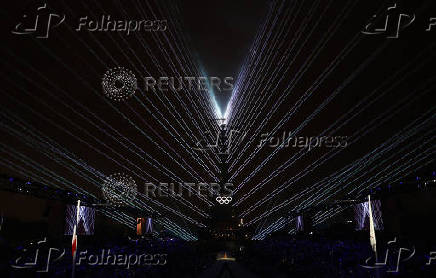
point(74, 240)
point(372, 238)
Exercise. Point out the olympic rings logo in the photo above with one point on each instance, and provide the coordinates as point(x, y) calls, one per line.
point(224, 200)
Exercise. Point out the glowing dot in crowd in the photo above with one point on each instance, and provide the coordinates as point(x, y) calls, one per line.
point(119, 84)
point(119, 188)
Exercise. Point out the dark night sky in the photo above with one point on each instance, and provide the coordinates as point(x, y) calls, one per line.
point(222, 32)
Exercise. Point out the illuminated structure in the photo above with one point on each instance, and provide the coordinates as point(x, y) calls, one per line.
point(223, 224)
